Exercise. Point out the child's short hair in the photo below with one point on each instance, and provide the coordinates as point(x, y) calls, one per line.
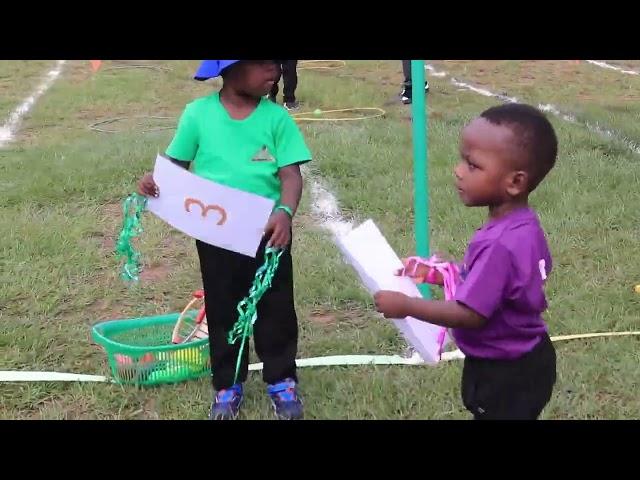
point(225, 73)
point(535, 137)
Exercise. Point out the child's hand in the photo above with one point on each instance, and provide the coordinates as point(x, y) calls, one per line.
point(147, 186)
point(391, 304)
point(421, 274)
point(278, 229)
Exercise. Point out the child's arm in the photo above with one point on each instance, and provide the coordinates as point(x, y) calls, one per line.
point(278, 228)
point(291, 151)
point(446, 314)
point(477, 298)
point(291, 189)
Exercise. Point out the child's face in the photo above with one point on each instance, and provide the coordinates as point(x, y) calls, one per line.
point(484, 173)
point(256, 77)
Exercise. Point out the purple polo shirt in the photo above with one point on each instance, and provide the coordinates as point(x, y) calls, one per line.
point(502, 279)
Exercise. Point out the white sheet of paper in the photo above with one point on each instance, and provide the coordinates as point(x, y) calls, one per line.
point(217, 214)
point(375, 261)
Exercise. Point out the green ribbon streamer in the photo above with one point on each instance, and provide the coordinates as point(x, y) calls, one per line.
point(133, 207)
point(247, 308)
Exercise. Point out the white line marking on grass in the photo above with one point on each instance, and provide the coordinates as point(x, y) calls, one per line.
point(630, 144)
point(325, 208)
point(434, 72)
point(8, 130)
point(482, 91)
point(466, 86)
point(612, 67)
point(545, 107)
point(604, 132)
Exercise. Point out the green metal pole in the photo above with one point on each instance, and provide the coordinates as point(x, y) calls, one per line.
point(420, 170)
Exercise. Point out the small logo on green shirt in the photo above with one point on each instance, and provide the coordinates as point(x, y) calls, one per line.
point(263, 155)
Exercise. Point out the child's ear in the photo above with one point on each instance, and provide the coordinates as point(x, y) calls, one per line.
point(517, 183)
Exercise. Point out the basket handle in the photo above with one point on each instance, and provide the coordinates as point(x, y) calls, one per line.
point(175, 337)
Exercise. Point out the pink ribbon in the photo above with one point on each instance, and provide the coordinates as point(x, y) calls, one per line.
point(450, 275)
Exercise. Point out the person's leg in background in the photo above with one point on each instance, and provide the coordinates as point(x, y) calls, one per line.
point(290, 79)
point(406, 71)
point(407, 93)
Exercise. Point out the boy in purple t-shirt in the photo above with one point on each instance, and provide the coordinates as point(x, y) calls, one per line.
point(496, 316)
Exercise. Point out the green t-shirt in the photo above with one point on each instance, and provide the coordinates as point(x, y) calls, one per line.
point(243, 154)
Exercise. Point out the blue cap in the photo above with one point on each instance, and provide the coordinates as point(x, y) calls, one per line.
point(212, 68)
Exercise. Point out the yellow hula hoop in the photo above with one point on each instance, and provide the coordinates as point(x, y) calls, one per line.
point(314, 65)
point(376, 113)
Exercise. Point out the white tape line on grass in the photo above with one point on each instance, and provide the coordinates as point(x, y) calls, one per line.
point(330, 361)
point(335, 360)
point(545, 107)
point(612, 67)
point(326, 210)
point(8, 130)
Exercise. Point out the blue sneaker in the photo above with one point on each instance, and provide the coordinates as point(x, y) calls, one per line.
point(226, 404)
point(286, 402)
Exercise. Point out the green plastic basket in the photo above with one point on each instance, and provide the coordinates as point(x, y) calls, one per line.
point(139, 351)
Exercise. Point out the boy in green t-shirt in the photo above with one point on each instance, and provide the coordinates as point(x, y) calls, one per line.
point(237, 138)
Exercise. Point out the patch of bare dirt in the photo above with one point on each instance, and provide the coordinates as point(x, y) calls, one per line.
point(323, 318)
point(154, 273)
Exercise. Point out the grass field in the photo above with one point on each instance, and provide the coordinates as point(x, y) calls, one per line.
point(61, 187)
